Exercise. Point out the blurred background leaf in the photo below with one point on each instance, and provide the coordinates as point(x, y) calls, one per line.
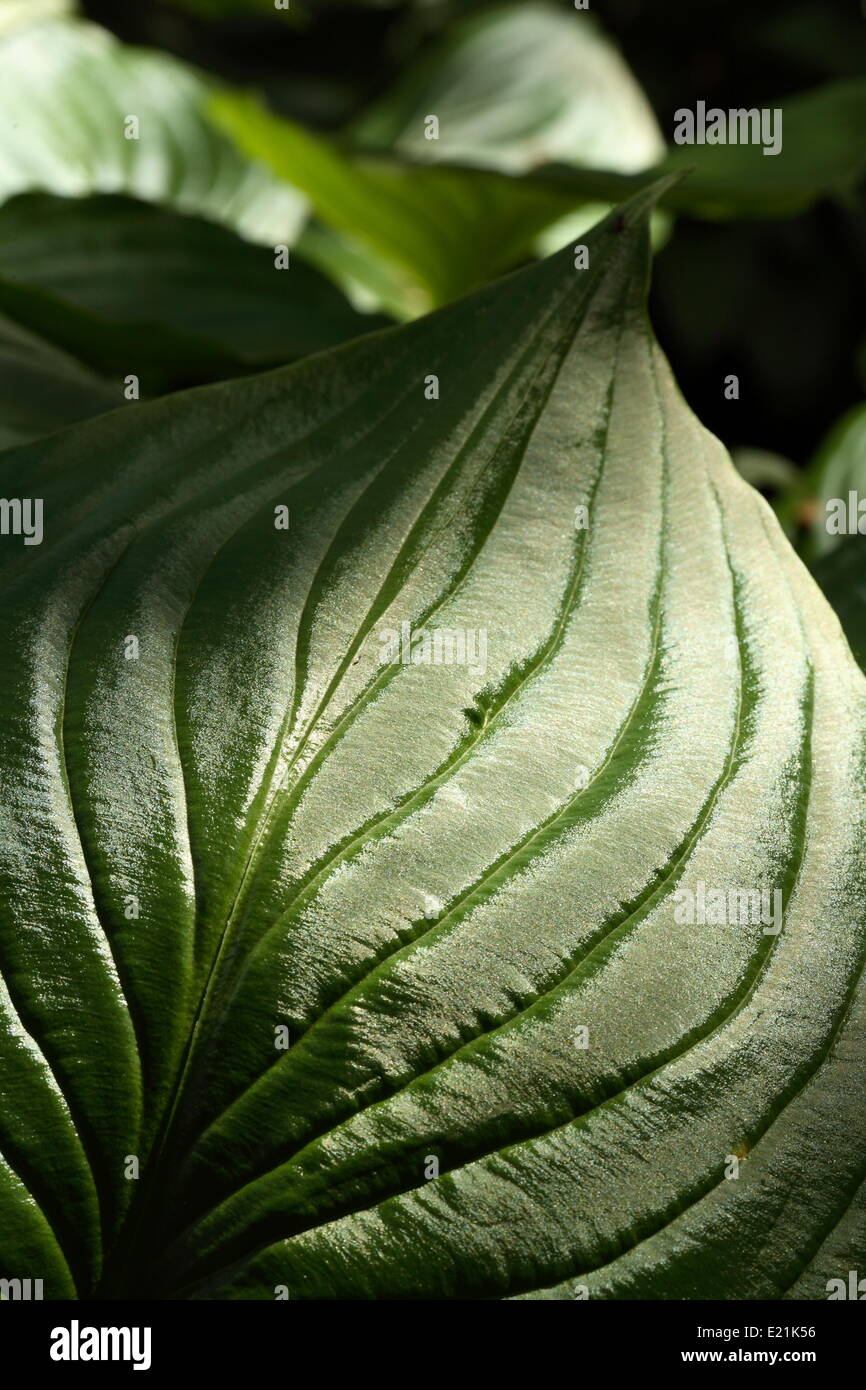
point(66, 90)
point(546, 115)
point(837, 469)
point(822, 153)
point(842, 575)
point(766, 471)
point(176, 300)
point(516, 87)
point(444, 229)
point(510, 88)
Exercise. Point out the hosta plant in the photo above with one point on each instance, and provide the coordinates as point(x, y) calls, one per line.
point(433, 854)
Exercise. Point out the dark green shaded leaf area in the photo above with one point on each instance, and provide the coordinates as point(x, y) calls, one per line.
point(821, 154)
point(435, 876)
point(821, 501)
point(174, 300)
point(43, 388)
point(842, 576)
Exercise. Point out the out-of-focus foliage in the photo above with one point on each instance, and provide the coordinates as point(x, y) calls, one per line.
point(837, 470)
point(67, 92)
point(177, 300)
point(765, 470)
point(284, 9)
point(509, 88)
point(228, 9)
point(516, 87)
point(841, 573)
point(825, 38)
point(823, 152)
point(42, 388)
point(445, 229)
point(15, 13)
point(546, 114)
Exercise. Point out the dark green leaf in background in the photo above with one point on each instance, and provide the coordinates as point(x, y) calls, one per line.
point(823, 154)
point(175, 300)
point(540, 121)
point(42, 388)
point(841, 574)
point(837, 470)
point(765, 470)
point(227, 9)
point(450, 226)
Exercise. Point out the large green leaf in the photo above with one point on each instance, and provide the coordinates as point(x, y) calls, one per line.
point(66, 91)
point(129, 287)
point(432, 876)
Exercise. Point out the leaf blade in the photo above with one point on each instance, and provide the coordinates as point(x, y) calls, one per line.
point(434, 874)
